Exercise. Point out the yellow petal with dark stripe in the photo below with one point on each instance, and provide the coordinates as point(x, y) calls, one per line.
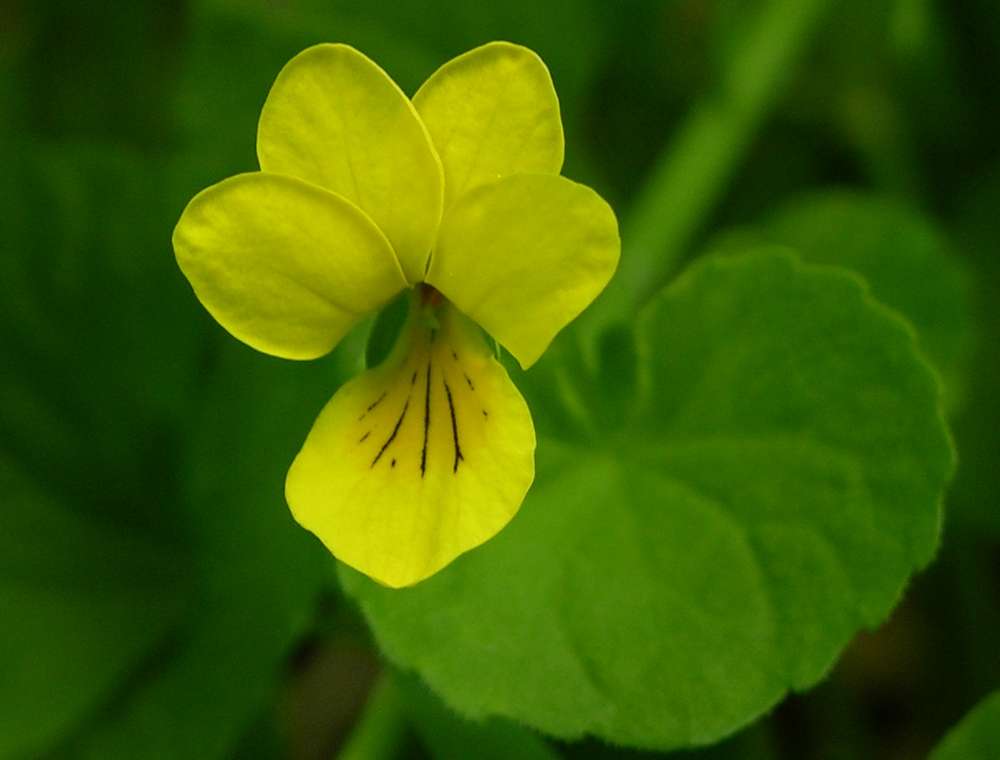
point(420, 459)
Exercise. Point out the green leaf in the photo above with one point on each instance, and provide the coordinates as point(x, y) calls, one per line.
point(259, 573)
point(976, 737)
point(776, 485)
point(974, 496)
point(908, 263)
point(101, 359)
point(236, 49)
point(82, 605)
point(115, 399)
point(93, 577)
point(448, 735)
point(410, 40)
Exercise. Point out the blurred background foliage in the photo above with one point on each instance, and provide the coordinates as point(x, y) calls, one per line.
point(156, 599)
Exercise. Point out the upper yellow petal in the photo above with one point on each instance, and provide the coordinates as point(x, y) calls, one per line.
point(418, 460)
point(334, 118)
point(524, 256)
point(492, 112)
point(283, 265)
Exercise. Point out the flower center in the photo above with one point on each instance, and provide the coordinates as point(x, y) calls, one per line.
point(430, 296)
point(425, 408)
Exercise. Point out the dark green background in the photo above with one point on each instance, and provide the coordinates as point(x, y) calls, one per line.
point(156, 599)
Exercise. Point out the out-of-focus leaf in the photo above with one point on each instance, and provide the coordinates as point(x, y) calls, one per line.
point(978, 481)
point(448, 735)
point(98, 73)
point(259, 573)
point(408, 33)
point(237, 49)
point(976, 737)
point(776, 487)
point(110, 394)
point(100, 363)
point(91, 380)
point(82, 606)
point(908, 263)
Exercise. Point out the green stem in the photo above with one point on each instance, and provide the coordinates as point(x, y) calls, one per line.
point(382, 728)
point(696, 167)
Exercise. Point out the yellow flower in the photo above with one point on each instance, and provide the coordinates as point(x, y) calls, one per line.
point(361, 194)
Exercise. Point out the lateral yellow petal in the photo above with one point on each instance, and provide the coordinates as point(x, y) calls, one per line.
point(334, 118)
point(284, 266)
point(524, 256)
point(492, 112)
point(418, 460)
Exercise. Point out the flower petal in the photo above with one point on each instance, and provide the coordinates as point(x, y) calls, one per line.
point(524, 256)
point(492, 112)
point(283, 265)
point(418, 460)
point(336, 119)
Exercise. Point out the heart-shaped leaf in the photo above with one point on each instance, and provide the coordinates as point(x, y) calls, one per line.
point(778, 482)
